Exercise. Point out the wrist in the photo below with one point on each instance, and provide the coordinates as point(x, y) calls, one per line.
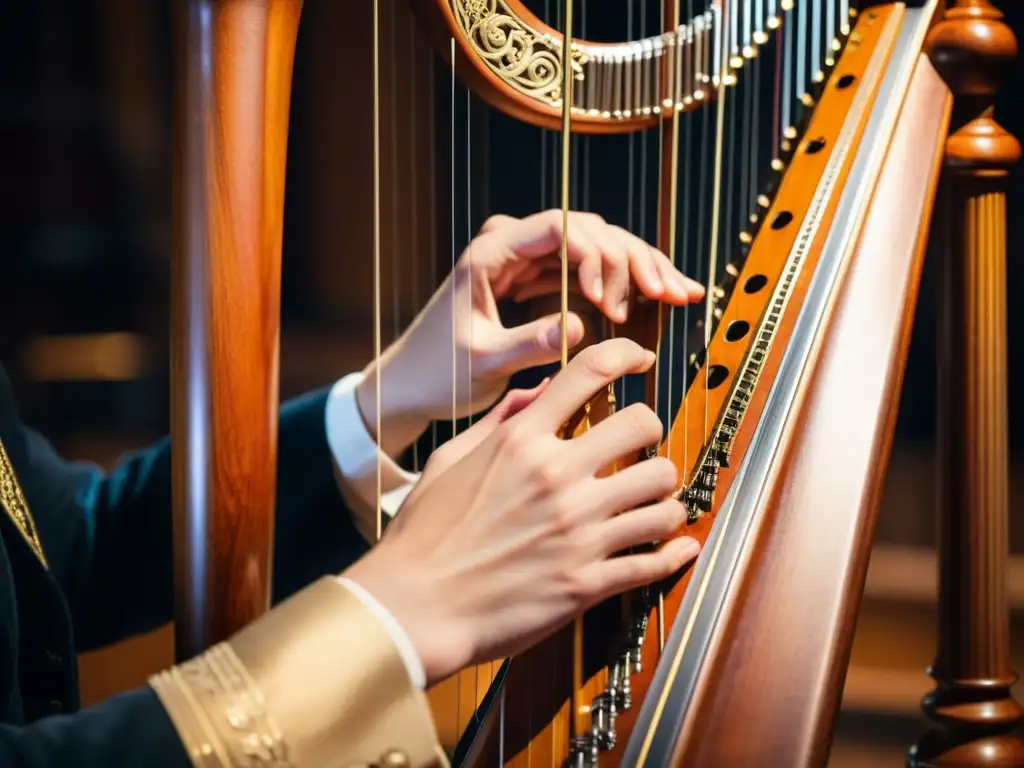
point(399, 423)
point(414, 602)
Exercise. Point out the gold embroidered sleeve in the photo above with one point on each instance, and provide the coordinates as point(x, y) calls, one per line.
point(315, 682)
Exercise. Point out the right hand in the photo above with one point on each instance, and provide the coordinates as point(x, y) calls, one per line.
point(500, 548)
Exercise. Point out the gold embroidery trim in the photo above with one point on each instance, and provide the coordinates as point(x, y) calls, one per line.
point(15, 505)
point(220, 713)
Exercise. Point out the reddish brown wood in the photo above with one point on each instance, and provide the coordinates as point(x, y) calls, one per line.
point(801, 578)
point(534, 696)
point(972, 706)
point(232, 95)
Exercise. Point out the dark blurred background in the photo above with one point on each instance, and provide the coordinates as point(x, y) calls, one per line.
point(85, 150)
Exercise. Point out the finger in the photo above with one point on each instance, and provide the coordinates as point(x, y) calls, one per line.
point(680, 289)
point(657, 522)
point(615, 274)
point(618, 574)
point(624, 432)
point(595, 367)
point(544, 285)
point(642, 263)
point(535, 343)
point(497, 221)
point(515, 276)
point(536, 235)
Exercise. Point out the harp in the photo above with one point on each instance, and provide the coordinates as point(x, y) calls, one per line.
point(793, 373)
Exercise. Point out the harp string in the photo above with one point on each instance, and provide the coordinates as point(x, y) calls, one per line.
point(454, 278)
point(577, 627)
point(413, 193)
point(376, 252)
point(396, 305)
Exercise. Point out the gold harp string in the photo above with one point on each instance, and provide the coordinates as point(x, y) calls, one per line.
point(455, 349)
point(577, 627)
point(469, 314)
point(716, 200)
point(376, 252)
point(675, 103)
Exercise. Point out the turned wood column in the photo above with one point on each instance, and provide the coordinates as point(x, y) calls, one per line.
point(232, 91)
point(972, 707)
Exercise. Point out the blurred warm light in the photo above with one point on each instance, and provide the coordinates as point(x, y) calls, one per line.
point(91, 357)
point(909, 573)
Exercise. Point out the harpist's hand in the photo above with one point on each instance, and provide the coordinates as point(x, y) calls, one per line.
point(516, 537)
point(510, 259)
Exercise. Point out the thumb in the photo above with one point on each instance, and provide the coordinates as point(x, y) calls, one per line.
point(535, 343)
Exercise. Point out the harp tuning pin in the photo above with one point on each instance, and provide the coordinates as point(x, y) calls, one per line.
point(786, 146)
point(718, 313)
point(807, 100)
point(853, 13)
point(745, 238)
point(777, 164)
point(760, 37)
point(830, 62)
point(763, 201)
point(719, 292)
point(774, 22)
point(790, 133)
point(731, 270)
point(836, 45)
point(693, 358)
point(787, 5)
point(749, 51)
point(819, 77)
point(753, 218)
point(736, 62)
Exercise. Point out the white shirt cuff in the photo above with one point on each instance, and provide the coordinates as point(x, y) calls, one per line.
point(357, 454)
point(401, 640)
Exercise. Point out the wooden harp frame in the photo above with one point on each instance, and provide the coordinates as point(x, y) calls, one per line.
point(232, 95)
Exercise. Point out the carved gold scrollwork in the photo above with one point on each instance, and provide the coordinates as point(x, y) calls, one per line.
point(529, 61)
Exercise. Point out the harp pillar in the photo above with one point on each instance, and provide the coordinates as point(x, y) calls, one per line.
point(972, 707)
point(232, 92)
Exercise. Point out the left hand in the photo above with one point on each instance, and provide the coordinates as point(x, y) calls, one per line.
point(460, 327)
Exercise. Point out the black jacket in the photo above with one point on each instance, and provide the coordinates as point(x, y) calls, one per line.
point(107, 542)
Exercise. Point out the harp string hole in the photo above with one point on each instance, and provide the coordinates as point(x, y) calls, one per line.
point(717, 376)
point(736, 330)
point(781, 219)
point(814, 146)
point(755, 283)
point(845, 81)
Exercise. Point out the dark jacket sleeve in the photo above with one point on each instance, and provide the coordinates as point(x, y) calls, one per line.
point(129, 731)
point(108, 537)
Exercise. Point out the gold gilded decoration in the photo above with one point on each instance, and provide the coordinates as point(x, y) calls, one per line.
point(524, 58)
point(16, 507)
point(220, 712)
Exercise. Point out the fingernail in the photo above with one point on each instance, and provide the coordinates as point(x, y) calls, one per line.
point(657, 283)
point(598, 289)
point(679, 284)
point(554, 337)
point(686, 549)
point(650, 357)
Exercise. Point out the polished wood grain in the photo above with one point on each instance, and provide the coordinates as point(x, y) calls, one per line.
point(232, 93)
point(977, 719)
point(767, 256)
point(801, 584)
point(536, 689)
